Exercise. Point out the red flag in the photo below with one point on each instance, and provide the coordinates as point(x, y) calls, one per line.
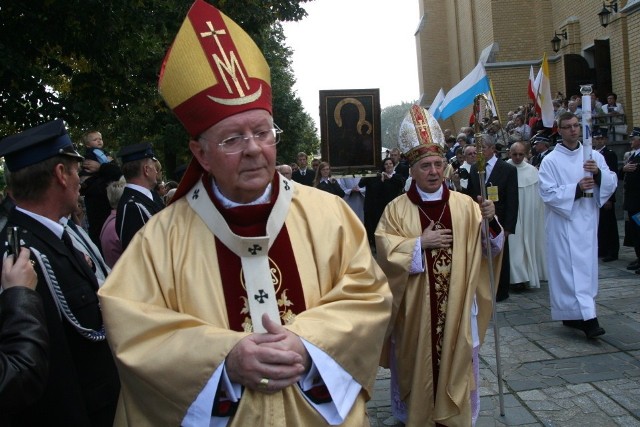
point(534, 88)
point(530, 89)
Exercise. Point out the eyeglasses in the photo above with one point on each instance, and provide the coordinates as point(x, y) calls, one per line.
point(574, 126)
point(238, 143)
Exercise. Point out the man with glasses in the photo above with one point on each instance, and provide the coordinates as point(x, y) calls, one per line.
point(139, 201)
point(251, 299)
point(527, 246)
point(573, 199)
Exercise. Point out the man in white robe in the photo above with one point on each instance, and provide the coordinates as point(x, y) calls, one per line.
point(527, 245)
point(571, 224)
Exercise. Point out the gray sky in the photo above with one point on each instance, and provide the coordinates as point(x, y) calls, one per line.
point(355, 44)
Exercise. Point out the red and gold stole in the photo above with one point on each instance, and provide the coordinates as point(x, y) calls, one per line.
point(251, 221)
point(438, 268)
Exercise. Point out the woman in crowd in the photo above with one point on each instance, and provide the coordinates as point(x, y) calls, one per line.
point(324, 182)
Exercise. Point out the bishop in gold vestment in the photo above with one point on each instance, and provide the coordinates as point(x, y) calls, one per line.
point(430, 246)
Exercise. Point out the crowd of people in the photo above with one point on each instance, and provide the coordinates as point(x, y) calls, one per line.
point(241, 295)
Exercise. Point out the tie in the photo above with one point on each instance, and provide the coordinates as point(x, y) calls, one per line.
point(302, 172)
point(487, 172)
point(76, 253)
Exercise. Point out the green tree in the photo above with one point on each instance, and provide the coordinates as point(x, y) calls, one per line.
point(390, 119)
point(95, 64)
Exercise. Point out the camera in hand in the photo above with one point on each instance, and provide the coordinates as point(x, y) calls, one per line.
point(463, 173)
point(13, 240)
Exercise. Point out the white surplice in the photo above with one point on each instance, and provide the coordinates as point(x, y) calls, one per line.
point(571, 229)
point(527, 245)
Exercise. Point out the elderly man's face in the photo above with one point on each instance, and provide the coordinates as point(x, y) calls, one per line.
point(285, 170)
point(517, 153)
point(428, 173)
point(470, 155)
point(242, 177)
point(488, 150)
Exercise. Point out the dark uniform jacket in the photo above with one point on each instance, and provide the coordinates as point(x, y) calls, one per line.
point(505, 176)
point(24, 350)
point(306, 179)
point(612, 161)
point(331, 187)
point(83, 384)
point(632, 187)
point(134, 210)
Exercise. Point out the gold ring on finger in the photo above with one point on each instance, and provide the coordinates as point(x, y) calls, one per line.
point(264, 383)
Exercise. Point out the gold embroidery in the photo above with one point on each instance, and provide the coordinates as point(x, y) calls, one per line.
point(284, 302)
point(441, 272)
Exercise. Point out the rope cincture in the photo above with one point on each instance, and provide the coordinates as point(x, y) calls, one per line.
point(61, 301)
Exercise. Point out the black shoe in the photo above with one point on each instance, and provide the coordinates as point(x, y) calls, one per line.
point(592, 329)
point(609, 258)
point(634, 265)
point(500, 298)
point(576, 324)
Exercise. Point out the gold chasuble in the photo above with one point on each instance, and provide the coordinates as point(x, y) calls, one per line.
point(435, 370)
point(174, 306)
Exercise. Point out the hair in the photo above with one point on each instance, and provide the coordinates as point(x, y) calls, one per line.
point(321, 166)
point(302, 153)
point(468, 146)
point(170, 185)
point(85, 136)
point(615, 97)
point(32, 182)
point(567, 115)
point(134, 169)
point(114, 191)
point(167, 197)
point(279, 168)
point(487, 139)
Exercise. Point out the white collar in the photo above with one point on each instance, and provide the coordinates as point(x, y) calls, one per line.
point(228, 204)
point(430, 197)
point(55, 227)
point(140, 189)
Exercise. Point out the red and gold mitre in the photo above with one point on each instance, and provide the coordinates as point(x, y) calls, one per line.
point(420, 135)
point(213, 70)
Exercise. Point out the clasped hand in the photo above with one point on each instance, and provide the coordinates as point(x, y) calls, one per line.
point(277, 355)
